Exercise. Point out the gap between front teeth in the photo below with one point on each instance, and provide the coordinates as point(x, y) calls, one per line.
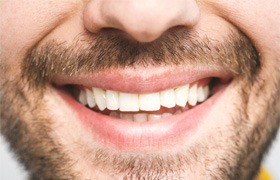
point(129, 102)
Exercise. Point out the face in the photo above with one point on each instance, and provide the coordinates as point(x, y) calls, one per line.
point(140, 90)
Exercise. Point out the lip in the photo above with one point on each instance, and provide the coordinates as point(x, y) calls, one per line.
point(143, 79)
point(127, 135)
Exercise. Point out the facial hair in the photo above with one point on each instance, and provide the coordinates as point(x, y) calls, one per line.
point(27, 127)
point(90, 54)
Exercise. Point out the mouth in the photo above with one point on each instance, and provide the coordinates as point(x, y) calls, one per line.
point(132, 110)
point(144, 107)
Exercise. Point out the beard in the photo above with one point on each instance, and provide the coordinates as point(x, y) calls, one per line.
point(236, 154)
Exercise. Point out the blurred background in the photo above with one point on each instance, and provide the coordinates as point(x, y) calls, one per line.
point(11, 170)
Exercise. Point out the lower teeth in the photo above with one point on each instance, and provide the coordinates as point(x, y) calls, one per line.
point(142, 117)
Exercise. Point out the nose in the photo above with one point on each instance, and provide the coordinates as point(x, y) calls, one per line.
point(143, 20)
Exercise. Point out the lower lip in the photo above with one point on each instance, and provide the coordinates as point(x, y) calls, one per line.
point(127, 135)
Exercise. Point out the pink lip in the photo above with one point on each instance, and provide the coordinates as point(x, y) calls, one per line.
point(127, 135)
point(143, 80)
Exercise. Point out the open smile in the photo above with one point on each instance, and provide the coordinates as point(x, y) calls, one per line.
point(130, 110)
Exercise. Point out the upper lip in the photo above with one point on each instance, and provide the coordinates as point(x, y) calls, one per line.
point(143, 79)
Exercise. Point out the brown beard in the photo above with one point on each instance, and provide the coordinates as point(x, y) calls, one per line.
point(27, 127)
point(112, 49)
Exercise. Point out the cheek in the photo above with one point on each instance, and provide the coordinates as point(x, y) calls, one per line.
point(258, 19)
point(27, 22)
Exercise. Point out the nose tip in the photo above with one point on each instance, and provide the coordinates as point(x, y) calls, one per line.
point(143, 20)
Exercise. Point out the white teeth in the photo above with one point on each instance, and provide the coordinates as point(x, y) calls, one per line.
point(152, 117)
point(128, 102)
point(167, 98)
point(193, 95)
point(202, 93)
point(206, 92)
point(181, 95)
point(90, 98)
point(112, 100)
point(149, 102)
point(100, 98)
point(83, 97)
point(166, 115)
point(141, 117)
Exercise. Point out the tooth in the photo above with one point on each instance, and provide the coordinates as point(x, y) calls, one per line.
point(114, 114)
point(149, 102)
point(90, 98)
point(181, 95)
point(100, 98)
point(83, 97)
point(128, 102)
point(152, 117)
point(206, 91)
point(112, 100)
point(193, 95)
point(167, 98)
point(200, 94)
point(126, 116)
point(141, 117)
point(166, 115)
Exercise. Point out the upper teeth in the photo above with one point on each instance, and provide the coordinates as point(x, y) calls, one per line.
point(129, 102)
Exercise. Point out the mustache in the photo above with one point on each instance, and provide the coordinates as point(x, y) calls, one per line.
point(111, 49)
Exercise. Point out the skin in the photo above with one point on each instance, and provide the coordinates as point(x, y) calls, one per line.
point(52, 144)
